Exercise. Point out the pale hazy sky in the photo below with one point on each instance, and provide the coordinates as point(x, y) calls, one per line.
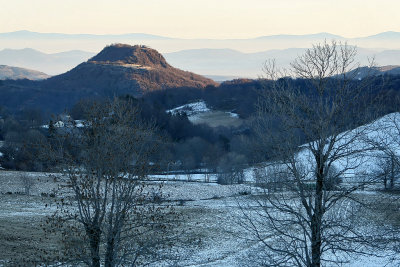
point(202, 18)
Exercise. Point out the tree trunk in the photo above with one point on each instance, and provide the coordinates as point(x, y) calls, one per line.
point(109, 260)
point(316, 220)
point(113, 242)
point(392, 173)
point(94, 237)
point(385, 181)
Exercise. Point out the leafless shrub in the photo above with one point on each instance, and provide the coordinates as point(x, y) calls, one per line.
point(27, 182)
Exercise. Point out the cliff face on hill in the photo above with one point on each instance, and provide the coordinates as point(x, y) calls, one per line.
point(123, 54)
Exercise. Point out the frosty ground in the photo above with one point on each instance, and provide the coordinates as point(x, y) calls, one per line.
point(211, 213)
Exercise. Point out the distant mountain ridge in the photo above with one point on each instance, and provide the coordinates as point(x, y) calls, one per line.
point(55, 42)
point(385, 35)
point(320, 35)
point(212, 63)
point(54, 63)
point(363, 72)
point(118, 69)
point(228, 62)
point(15, 73)
point(30, 34)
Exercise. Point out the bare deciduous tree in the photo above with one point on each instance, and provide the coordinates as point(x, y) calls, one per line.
point(388, 171)
point(230, 169)
point(308, 222)
point(106, 162)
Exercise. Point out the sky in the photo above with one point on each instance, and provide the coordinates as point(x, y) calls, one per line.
point(214, 19)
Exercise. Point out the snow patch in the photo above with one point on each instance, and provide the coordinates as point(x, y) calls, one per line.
point(233, 115)
point(190, 109)
point(195, 111)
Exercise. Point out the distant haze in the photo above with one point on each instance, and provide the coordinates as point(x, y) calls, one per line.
point(199, 19)
point(55, 53)
point(60, 42)
point(218, 64)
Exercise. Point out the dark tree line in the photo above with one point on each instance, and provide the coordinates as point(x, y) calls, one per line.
point(21, 136)
point(20, 130)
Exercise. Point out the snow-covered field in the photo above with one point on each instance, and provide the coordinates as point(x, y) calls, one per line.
point(212, 213)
